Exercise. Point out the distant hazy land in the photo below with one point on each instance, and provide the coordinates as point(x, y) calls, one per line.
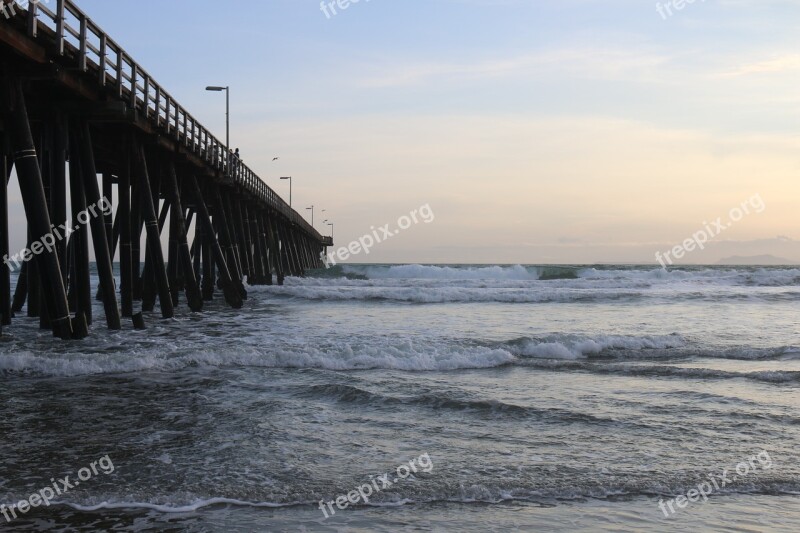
point(766, 260)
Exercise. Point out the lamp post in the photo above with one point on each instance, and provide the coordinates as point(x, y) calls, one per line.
point(227, 90)
point(312, 214)
point(290, 189)
point(331, 225)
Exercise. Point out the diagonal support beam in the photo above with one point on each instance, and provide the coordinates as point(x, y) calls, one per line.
point(153, 234)
point(185, 259)
point(35, 203)
point(232, 295)
point(98, 210)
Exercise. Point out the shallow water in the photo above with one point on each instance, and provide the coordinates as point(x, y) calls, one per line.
point(572, 398)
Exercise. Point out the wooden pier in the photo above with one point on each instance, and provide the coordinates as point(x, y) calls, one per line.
point(81, 120)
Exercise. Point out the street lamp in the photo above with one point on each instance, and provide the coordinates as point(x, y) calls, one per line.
point(227, 122)
point(290, 189)
point(312, 214)
point(331, 225)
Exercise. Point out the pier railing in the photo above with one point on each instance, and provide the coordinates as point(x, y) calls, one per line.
point(74, 37)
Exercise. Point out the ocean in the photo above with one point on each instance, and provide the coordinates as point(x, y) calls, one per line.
point(464, 397)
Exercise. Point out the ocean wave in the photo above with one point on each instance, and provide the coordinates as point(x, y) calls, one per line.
point(666, 371)
point(746, 276)
point(516, 272)
point(188, 507)
point(405, 355)
point(430, 295)
point(730, 276)
point(495, 409)
point(577, 347)
point(647, 347)
point(595, 353)
point(526, 285)
point(550, 490)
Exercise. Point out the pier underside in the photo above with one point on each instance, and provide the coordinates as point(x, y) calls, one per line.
point(106, 159)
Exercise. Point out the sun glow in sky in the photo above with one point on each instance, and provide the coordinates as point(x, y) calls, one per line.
point(553, 131)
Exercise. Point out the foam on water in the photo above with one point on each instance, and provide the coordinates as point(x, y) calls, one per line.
point(630, 383)
point(178, 507)
point(388, 352)
point(746, 276)
point(428, 284)
point(429, 295)
point(466, 494)
point(567, 347)
point(516, 272)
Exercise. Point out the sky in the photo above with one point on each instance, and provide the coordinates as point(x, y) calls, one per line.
point(549, 131)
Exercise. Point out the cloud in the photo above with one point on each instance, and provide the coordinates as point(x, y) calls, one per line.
point(785, 63)
point(588, 62)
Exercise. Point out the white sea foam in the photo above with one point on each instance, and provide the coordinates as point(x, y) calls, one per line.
point(404, 355)
point(429, 295)
point(378, 353)
point(466, 494)
point(768, 277)
point(576, 347)
point(427, 284)
point(516, 272)
point(541, 292)
point(178, 508)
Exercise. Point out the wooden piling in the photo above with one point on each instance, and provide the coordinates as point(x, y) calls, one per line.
point(153, 234)
point(285, 255)
point(266, 252)
point(35, 204)
point(97, 221)
point(125, 246)
point(5, 267)
point(228, 231)
point(209, 268)
point(34, 284)
point(231, 291)
point(80, 281)
point(274, 247)
point(58, 184)
point(197, 250)
point(182, 255)
point(149, 283)
point(247, 241)
point(21, 290)
point(259, 252)
point(172, 255)
point(136, 233)
point(108, 217)
point(224, 229)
